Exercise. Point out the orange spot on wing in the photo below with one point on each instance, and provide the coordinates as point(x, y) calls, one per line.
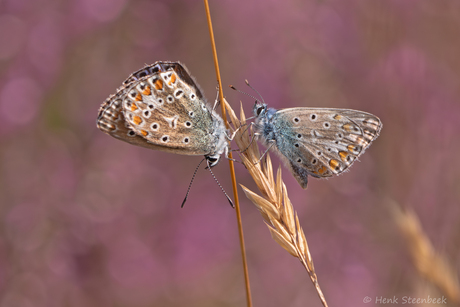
point(322, 170)
point(144, 133)
point(159, 84)
point(147, 91)
point(338, 117)
point(138, 97)
point(343, 155)
point(137, 120)
point(348, 127)
point(133, 107)
point(173, 79)
point(351, 148)
point(334, 164)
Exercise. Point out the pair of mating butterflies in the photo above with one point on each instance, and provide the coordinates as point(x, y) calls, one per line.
point(161, 107)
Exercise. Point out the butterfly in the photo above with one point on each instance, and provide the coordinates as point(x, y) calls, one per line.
point(161, 107)
point(317, 142)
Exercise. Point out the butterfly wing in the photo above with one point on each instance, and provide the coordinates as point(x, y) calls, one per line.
point(164, 109)
point(111, 120)
point(322, 142)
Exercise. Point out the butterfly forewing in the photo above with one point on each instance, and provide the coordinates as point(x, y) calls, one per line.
point(164, 110)
point(161, 107)
point(319, 142)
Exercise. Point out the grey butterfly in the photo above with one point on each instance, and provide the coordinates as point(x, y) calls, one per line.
point(318, 142)
point(161, 107)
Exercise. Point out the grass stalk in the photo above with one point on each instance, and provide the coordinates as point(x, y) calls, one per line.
point(230, 161)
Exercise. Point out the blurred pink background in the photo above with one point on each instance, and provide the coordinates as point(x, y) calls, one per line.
point(87, 220)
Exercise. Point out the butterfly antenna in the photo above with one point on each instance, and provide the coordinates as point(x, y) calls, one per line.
point(218, 183)
point(234, 88)
point(191, 181)
point(247, 82)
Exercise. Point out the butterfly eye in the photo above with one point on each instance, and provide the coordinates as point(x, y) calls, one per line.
point(259, 110)
point(212, 160)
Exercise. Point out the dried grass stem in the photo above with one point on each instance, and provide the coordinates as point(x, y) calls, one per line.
point(273, 201)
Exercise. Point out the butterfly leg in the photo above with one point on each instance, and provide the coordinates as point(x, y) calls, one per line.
point(226, 152)
point(252, 139)
point(217, 101)
point(230, 137)
point(263, 155)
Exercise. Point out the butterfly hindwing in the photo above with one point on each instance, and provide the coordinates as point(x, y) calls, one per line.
point(111, 120)
point(317, 141)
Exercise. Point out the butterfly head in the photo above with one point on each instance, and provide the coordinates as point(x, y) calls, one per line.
point(259, 109)
point(262, 113)
point(212, 160)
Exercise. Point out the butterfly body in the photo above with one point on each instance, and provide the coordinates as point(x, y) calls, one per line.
point(317, 142)
point(161, 107)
